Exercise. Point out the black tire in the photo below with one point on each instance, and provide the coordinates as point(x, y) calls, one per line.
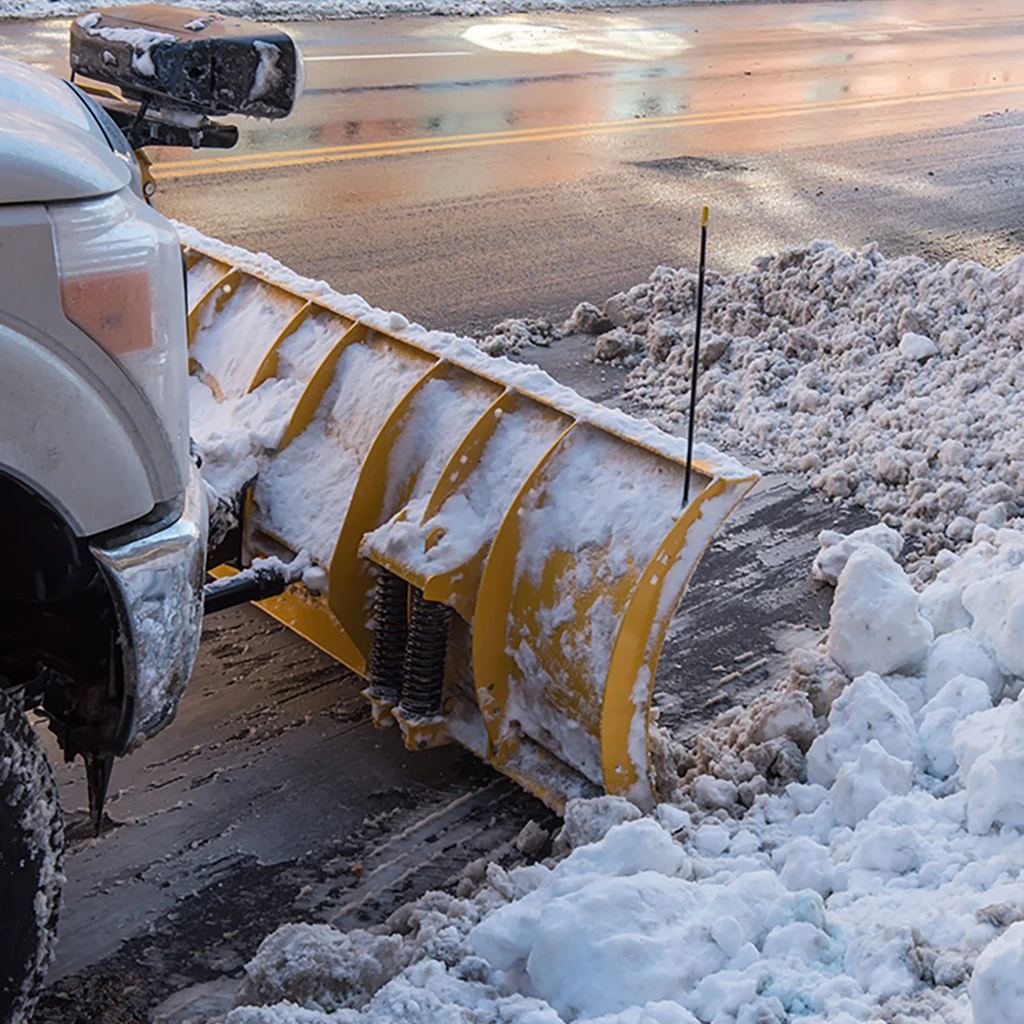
point(31, 863)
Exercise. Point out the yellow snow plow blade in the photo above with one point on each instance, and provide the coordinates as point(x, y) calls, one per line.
point(498, 557)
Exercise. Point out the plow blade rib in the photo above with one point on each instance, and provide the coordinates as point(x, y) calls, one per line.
point(535, 543)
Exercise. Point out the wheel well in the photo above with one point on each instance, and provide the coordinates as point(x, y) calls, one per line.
point(58, 627)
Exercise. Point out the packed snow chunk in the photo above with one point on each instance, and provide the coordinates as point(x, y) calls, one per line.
point(917, 347)
point(661, 1012)
point(428, 992)
point(942, 605)
point(888, 849)
point(880, 961)
point(588, 820)
point(587, 319)
point(615, 344)
point(996, 605)
point(836, 549)
point(281, 1013)
point(989, 747)
point(599, 943)
point(321, 968)
point(712, 838)
point(791, 717)
point(800, 939)
point(808, 866)
point(976, 734)
point(961, 697)
point(629, 849)
point(863, 784)
point(997, 985)
point(712, 793)
point(961, 654)
point(866, 710)
point(876, 625)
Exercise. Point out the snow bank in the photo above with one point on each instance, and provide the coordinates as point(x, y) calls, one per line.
point(843, 850)
point(895, 382)
point(319, 10)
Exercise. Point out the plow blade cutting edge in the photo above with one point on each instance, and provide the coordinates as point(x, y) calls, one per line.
point(498, 557)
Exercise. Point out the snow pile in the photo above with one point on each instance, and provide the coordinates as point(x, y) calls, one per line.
point(895, 382)
point(836, 549)
point(879, 880)
point(510, 337)
point(325, 10)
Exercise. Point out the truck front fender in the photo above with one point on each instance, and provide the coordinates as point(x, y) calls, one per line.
point(59, 436)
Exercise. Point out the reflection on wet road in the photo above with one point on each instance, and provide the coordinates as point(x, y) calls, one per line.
point(750, 79)
point(365, 151)
point(743, 81)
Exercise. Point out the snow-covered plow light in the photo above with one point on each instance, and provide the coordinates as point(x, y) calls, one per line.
point(498, 557)
point(176, 67)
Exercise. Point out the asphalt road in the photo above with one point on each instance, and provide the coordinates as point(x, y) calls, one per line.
point(462, 172)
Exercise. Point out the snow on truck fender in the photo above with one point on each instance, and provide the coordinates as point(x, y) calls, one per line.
point(499, 557)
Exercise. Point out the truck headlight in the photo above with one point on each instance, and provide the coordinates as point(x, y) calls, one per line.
point(121, 282)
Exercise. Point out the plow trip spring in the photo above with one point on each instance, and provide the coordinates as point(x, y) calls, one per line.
point(499, 558)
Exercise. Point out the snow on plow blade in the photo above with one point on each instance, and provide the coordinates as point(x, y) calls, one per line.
point(186, 60)
point(498, 557)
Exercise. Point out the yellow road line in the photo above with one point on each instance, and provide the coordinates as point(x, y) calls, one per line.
point(369, 150)
point(389, 56)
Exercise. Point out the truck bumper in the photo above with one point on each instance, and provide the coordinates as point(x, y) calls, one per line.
point(157, 586)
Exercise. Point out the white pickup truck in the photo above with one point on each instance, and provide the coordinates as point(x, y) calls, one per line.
point(103, 511)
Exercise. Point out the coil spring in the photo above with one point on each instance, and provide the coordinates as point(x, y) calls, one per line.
point(390, 634)
point(426, 651)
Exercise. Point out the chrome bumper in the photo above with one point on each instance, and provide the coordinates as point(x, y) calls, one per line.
point(157, 586)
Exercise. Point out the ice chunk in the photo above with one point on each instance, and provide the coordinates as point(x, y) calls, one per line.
point(997, 985)
point(875, 623)
point(867, 710)
point(917, 347)
point(996, 605)
point(317, 966)
point(961, 654)
point(942, 605)
point(808, 866)
point(863, 784)
point(837, 548)
point(587, 821)
point(995, 779)
point(960, 697)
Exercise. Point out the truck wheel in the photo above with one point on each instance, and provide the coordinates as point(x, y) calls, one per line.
point(31, 861)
